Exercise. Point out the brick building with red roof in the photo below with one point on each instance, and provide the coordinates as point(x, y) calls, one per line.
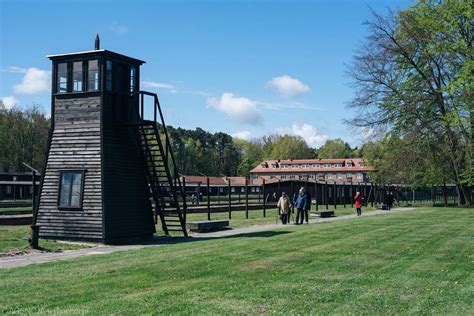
point(353, 170)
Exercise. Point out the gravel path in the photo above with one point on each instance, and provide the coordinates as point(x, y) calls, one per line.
point(42, 257)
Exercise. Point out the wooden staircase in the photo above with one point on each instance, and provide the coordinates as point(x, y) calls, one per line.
point(165, 187)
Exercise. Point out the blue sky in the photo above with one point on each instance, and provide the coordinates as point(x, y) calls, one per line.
point(247, 68)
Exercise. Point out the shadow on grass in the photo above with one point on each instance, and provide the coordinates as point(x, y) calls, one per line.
point(166, 240)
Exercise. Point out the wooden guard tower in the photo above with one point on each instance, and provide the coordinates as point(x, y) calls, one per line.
point(110, 172)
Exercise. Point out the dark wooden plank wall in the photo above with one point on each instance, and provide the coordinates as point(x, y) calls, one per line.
point(75, 144)
point(127, 207)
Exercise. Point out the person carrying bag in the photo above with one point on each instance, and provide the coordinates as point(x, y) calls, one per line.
point(284, 208)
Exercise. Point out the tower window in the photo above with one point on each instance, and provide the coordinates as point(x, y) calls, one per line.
point(108, 75)
point(62, 78)
point(77, 76)
point(93, 75)
point(133, 79)
point(70, 189)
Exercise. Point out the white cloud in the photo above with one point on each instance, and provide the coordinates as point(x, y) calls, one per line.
point(118, 28)
point(14, 69)
point(242, 135)
point(9, 102)
point(239, 108)
point(287, 85)
point(34, 81)
point(308, 132)
point(158, 85)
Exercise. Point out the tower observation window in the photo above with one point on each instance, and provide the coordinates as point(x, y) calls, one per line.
point(93, 75)
point(77, 76)
point(133, 79)
point(108, 75)
point(62, 78)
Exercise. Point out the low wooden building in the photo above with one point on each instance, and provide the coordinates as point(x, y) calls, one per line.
point(16, 186)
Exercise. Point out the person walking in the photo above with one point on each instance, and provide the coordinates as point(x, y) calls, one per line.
point(358, 203)
point(389, 200)
point(284, 208)
point(300, 204)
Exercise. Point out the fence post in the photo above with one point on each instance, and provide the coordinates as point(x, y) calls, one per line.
point(246, 198)
point(33, 188)
point(229, 198)
point(445, 194)
point(208, 200)
point(344, 193)
point(373, 193)
point(185, 205)
point(433, 196)
point(199, 193)
point(351, 193)
point(316, 193)
point(264, 198)
point(326, 194)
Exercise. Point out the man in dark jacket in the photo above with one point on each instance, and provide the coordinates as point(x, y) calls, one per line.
point(389, 200)
point(300, 202)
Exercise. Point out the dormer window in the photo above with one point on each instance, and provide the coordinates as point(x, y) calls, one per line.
point(349, 164)
point(294, 166)
point(326, 165)
point(274, 165)
point(263, 165)
point(284, 166)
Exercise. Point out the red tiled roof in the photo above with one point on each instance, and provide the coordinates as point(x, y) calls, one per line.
point(237, 181)
point(203, 180)
point(355, 166)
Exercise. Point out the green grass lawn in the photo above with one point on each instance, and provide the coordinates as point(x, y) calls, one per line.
point(14, 239)
point(255, 217)
point(15, 209)
point(417, 262)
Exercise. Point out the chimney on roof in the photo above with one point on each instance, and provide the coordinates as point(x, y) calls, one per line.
point(97, 42)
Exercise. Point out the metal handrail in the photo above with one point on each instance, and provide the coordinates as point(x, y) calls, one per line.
point(169, 149)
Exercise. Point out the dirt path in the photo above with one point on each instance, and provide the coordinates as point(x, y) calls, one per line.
point(42, 257)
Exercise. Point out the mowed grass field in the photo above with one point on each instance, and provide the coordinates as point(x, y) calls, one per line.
point(14, 239)
point(416, 262)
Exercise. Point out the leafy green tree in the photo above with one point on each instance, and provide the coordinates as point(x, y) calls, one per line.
point(23, 138)
point(250, 153)
point(290, 147)
point(335, 148)
point(414, 78)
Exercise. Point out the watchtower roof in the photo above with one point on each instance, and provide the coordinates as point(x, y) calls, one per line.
point(96, 52)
